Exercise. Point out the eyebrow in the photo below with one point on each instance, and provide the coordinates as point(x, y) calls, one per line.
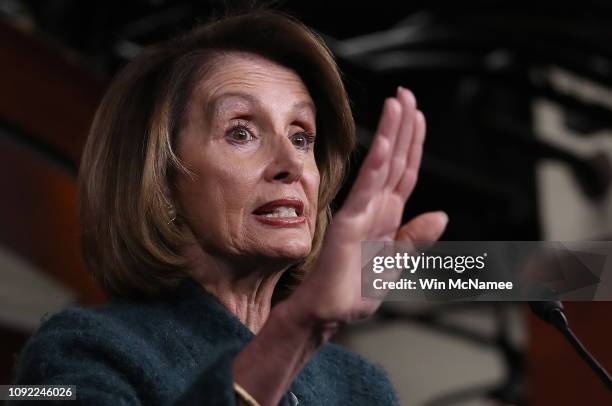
point(214, 105)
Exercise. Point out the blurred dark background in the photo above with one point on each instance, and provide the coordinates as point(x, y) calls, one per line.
point(518, 100)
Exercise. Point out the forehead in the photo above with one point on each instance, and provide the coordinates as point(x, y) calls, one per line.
point(243, 79)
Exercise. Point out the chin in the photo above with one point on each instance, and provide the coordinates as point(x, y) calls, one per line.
point(295, 250)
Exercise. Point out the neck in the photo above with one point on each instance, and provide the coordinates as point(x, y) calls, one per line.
point(244, 289)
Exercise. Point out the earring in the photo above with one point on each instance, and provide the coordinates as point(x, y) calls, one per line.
point(171, 213)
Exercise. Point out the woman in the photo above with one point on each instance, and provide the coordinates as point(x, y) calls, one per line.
point(206, 186)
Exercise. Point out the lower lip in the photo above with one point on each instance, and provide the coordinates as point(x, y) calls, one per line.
point(281, 221)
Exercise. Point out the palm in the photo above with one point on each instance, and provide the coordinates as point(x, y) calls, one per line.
point(381, 219)
point(378, 221)
point(372, 211)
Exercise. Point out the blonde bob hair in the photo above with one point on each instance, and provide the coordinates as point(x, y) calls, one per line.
point(130, 242)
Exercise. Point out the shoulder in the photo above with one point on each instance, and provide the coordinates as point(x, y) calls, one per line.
point(128, 350)
point(77, 329)
point(103, 324)
point(116, 324)
point(117, 334)
point(365, 382)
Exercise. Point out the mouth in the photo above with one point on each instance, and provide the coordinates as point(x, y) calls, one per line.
point(281, 212)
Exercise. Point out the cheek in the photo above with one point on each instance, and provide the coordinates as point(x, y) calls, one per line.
point(227, 186)
point(312, 181)
point(233, 181)
point(204, 192)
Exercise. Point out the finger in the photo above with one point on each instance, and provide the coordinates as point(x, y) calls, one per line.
point(403, 138)
point(388, 126)
point(408, 182)
point(389, 120)
point(416, 149)
point(374, 169)
point(369, 180)
point(427, 227)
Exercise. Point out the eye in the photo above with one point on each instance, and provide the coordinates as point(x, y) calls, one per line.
point(302, 140)
point(240, 133)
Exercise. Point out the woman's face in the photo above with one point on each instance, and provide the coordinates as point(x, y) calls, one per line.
point(248, 139)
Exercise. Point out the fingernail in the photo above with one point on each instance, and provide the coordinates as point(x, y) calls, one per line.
point(444, 216)
point(408, 94)
point(390, 103)
point(411, 97)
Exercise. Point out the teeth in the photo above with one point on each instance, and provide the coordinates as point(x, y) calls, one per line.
point(282, 211)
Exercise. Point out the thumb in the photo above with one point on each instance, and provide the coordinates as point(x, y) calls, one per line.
point(426, 227)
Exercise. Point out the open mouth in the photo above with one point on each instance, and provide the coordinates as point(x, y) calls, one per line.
point(282, 211)
point(287, 209)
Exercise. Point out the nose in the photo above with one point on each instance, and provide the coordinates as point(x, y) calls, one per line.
point(286, 164)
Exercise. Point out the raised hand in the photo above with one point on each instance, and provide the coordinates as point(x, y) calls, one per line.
point(331, 292)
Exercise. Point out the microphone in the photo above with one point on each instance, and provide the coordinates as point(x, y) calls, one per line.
point(551, 311)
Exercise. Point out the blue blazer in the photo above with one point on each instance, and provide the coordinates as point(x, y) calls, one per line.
point(177, 350)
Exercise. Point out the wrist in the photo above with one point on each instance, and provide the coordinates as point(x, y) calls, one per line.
point(299, 317)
